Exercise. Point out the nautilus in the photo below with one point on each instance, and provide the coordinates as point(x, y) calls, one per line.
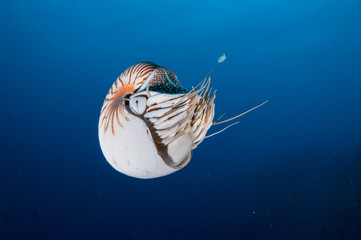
point(149, 123)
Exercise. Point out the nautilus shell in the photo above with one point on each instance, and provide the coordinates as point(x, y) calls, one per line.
point(149, 123)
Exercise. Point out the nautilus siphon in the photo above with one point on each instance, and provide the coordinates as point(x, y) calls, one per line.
point(150, 124)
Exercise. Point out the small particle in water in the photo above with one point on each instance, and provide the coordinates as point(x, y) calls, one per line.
point(222, 58)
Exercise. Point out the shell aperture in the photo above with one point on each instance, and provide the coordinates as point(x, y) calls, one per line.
point(149, 123)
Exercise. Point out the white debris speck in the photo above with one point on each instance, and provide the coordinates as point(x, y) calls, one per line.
point(222, 58)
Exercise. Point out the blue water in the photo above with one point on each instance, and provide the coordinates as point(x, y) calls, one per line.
point(289, 170)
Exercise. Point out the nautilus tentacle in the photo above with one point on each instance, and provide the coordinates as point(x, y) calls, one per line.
point(150, 124)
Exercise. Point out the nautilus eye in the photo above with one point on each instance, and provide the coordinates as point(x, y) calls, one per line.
point(137, 104)
point(150, 124)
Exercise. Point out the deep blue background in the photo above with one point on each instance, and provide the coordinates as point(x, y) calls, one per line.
point(289, 170)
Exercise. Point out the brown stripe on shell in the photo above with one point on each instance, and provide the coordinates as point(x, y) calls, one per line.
point(114, 101)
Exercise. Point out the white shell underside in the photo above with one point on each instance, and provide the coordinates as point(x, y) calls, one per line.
point(133, 153)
